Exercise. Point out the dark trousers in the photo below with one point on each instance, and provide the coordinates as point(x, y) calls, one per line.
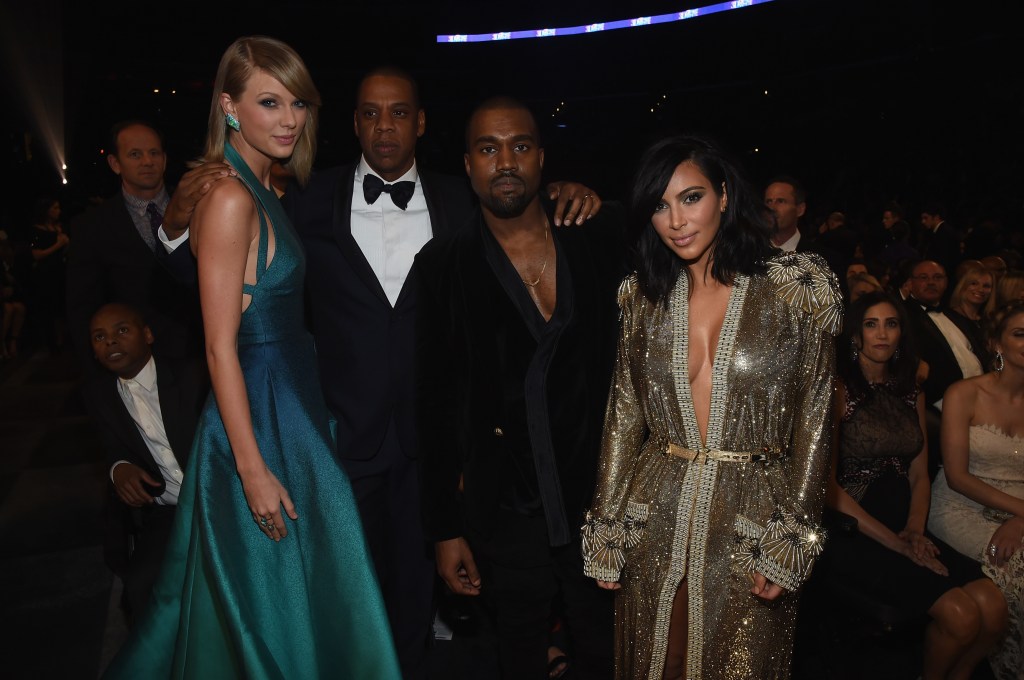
point(148, 536)
point(387, 491)
point(522, 576)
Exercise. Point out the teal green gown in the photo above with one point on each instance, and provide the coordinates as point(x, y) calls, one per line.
point(229, 602)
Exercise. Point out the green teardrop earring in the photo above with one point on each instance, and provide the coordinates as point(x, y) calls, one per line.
point(232, 122)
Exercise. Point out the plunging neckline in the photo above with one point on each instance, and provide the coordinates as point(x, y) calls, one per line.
point(680, 306)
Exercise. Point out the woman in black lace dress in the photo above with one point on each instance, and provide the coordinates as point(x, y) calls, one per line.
point(881, 480)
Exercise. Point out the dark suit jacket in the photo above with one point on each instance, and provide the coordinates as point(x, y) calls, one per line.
point(364, 346)
point(931, 345)
point(942, 246)
point(472, 347)
point(109, 262)
point(183, 386)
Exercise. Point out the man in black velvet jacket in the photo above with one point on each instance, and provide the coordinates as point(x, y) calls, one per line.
point(516, 330)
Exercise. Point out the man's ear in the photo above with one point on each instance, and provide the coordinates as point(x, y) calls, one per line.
point(465, 160)
point(421, 122)
point(114, 164)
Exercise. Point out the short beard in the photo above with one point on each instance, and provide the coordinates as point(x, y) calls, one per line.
point(508, 207)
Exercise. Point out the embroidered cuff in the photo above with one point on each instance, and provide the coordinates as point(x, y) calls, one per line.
point(606, 539)
point(784, 552)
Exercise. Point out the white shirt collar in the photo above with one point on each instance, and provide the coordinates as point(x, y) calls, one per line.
point(790, 244)
point(146, 378)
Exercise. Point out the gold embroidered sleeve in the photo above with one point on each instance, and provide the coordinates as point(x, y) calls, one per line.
point(785, 550)
point(613, 524)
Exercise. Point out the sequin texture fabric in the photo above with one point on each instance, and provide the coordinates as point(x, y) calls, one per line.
point(657, 518)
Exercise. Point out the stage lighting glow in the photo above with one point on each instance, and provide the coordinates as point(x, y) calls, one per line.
point(601, 27)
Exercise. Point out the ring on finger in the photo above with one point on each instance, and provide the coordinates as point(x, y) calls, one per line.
point(992, 549)
point(263, 522)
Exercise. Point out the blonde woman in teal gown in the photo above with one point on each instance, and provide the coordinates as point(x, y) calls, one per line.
point(267, 574)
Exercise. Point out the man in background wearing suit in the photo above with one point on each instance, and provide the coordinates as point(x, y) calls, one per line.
point(146, 412)
point(117, 255)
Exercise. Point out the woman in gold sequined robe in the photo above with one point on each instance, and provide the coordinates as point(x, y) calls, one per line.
point(744, 503)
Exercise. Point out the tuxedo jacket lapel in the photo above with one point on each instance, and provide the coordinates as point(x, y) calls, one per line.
point(343, 234)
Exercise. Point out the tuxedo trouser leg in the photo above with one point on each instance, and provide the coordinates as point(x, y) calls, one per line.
point(387, 492)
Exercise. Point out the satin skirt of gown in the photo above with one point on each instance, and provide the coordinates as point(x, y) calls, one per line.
point(229, 601)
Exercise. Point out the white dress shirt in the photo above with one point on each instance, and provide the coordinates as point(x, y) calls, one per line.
point(790, 244)
point(389, 236)
point(969, 363)
point(141, 398)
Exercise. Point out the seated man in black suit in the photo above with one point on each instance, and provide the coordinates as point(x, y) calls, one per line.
point(516, 332)
point(146, 412)
point(941, 344)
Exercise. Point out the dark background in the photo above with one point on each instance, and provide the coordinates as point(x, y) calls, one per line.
point(866, 101)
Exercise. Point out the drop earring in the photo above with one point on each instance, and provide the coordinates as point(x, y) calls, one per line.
point(853, 350)
point(232, 122)
point(999, 363)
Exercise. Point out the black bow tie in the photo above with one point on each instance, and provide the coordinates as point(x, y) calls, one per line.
point(930, 308)
point(400, 192)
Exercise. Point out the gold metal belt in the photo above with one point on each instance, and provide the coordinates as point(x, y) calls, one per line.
point(703, 455)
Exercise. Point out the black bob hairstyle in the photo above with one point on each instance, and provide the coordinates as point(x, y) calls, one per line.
point(743, 242)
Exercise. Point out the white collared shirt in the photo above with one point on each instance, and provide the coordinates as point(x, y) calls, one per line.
point(790, 244)
point(141, 398)
point(389, 236)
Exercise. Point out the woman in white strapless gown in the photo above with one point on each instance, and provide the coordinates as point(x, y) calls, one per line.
point(978, 496)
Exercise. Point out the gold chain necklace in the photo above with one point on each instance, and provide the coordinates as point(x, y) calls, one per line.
point(544, 266)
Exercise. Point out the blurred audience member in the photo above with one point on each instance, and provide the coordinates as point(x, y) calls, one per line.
point(1009, 288)
point(978, 497)
point(49, 251)
point(967, 305)
point(996, 265)
point(861, 284)
point(940, 241)
point(12, 302)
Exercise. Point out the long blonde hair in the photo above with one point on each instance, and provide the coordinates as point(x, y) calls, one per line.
point(281, 62)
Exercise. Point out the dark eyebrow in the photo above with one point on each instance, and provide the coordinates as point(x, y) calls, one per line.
point(527, 137)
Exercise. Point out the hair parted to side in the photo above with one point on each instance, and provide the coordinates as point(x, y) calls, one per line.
point(275, 58)
point(902, 365)
point(1000, 318)
point(743, 242)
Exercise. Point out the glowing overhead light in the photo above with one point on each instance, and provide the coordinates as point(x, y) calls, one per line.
point(600, 27)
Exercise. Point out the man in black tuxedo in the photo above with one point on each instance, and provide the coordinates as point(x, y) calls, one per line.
point(117, 255)
point(516, 331)
point(941, 344)
point(146, 411)
point(361, 226)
